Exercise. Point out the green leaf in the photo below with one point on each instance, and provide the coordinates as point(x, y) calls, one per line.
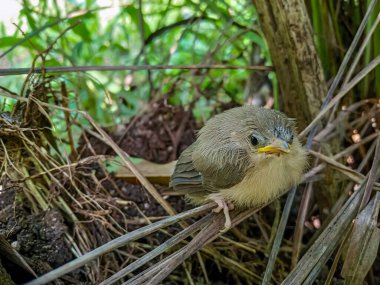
point(256, 38)
point(9, 41)
point(52, 62)
point(28, 15)
point(134, 14)
point(81, 30)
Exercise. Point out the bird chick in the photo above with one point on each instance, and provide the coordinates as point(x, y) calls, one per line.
point(243, 157)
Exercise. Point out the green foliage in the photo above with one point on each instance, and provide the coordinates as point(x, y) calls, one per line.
point(181, 32)
point(162, 32)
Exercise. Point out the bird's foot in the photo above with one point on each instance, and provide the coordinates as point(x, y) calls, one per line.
point(226, 207)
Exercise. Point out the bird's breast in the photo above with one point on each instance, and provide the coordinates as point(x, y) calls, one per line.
point(266, 180)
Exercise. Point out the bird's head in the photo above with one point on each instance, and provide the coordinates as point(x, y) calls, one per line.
point(270, 134)
point(276, 142)
point(247, 135)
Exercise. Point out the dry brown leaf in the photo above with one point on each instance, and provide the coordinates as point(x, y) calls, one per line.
point(154, 172)
point(363, 245)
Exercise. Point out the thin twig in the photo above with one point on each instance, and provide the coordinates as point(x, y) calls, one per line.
point(312, 128)
point(64, 69)
point(345, 89)
point(298, 232)
point(278, 238)
point(361, 50)
point(373, 175)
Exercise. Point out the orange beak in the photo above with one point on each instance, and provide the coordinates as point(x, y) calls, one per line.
point(278, 147)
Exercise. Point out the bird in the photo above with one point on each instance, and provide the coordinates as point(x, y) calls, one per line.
point(242, 158)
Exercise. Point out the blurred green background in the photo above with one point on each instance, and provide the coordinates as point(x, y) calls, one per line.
point(162, 32)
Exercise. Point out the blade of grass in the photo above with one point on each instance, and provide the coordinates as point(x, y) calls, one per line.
point(313, 260)
point(312, 128)
point(157, 251)
point(116, 243)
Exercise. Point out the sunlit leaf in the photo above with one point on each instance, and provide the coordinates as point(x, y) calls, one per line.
point(9, 41)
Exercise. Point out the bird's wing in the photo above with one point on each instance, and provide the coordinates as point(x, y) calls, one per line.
point(207, 175)
point(185, 177)
point(222, 168)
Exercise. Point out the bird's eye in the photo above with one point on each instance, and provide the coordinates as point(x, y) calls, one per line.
point(291, 139)
point(254, 140)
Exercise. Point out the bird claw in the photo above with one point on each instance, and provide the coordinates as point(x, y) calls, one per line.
point(226, 207)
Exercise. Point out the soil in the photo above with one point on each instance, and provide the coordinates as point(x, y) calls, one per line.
point(159, 135)
point(38, 238)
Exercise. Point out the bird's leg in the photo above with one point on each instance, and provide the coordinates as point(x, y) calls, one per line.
point(226, 207)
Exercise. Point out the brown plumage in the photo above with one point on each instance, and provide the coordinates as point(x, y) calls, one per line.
point(245, 156)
